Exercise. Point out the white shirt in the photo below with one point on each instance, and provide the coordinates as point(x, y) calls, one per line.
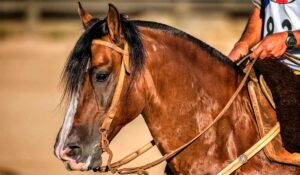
point(279, 16)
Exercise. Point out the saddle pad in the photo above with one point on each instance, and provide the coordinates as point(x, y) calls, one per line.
point(266, 119)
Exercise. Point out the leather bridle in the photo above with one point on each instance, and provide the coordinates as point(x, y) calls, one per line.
point(110, 114)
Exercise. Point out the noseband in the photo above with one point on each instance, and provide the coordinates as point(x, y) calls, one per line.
point(111, 113)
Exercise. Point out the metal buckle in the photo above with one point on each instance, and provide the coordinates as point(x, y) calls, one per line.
point(243, 159)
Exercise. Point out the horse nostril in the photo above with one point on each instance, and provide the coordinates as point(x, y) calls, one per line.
point(75, 152)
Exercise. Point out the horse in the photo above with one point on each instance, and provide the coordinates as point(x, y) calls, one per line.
point(177, 82)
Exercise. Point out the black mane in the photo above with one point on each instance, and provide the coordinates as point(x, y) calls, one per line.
point(78, 60)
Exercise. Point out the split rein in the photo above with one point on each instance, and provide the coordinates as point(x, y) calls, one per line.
point(104, 143)
point(110, 114)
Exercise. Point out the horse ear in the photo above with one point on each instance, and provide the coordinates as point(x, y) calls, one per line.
point(84, 15)
point(114, 23)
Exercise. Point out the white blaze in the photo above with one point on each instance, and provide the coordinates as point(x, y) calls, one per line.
point(67, 125)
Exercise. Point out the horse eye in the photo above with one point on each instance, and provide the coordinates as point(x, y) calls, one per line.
point(101, 77)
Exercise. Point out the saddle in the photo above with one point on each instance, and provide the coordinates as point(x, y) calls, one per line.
point(264, 110)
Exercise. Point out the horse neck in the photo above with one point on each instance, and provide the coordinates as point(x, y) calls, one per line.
point(186, 88)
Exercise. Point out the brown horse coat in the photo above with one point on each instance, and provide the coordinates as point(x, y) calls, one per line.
point(179, 84)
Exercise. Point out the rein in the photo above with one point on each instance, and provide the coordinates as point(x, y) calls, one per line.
point(141, 170)
point(109, 116)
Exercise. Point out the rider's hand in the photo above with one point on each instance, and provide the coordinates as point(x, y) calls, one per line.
point(272, 46)
point(240, 50)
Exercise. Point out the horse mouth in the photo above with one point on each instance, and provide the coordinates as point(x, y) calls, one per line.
point(72, 165)
point(92, 162)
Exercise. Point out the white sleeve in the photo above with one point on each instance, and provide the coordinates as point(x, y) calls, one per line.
point(257, 3)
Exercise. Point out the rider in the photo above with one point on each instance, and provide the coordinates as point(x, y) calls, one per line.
point(275, 25)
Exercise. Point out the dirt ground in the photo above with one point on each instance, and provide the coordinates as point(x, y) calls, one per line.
point(30, 67)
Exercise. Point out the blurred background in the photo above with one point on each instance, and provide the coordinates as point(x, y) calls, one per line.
point(36, 37)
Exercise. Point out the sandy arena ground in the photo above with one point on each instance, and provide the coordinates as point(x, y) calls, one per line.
point(30, 67)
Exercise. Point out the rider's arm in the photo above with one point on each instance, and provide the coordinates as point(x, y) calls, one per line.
point(253, 31)
point(251, 35)
point(274, 45)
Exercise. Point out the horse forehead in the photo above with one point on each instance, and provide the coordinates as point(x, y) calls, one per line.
point(100, 55)
point(105, 56)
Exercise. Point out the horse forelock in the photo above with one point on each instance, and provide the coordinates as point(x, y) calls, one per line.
point(77, 62)
point(79, 58)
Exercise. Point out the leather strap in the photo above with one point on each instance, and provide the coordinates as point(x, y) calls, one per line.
point(118, 49)
point(111, 113)
point(266, 91)
point(292, 58)
point(242, 159)
point(110, 45)
point(129, 157)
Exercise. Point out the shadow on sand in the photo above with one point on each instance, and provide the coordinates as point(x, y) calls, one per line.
point(7, 171)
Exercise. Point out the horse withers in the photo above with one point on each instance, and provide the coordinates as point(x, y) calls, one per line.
point(178, 83)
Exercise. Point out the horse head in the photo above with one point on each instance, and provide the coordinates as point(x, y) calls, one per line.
point(92, 74)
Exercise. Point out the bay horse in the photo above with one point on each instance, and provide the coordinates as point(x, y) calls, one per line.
point(177, 82)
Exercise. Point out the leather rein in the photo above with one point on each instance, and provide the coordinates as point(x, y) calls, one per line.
point(110, 114)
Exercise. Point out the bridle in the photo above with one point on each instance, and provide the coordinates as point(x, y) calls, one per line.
point(110, 114)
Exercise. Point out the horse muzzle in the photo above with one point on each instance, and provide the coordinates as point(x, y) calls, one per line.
point(74, 159)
